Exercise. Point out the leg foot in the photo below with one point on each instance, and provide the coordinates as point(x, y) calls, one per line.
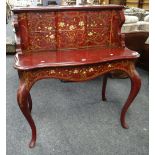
point(135, 86)
point(32, 143)
point(22, 97)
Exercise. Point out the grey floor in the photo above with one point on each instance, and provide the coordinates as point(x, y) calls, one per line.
point(72, 119)
point(10, 36)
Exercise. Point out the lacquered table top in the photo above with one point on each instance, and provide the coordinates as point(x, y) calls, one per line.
point(63, 8)
point(74, 57)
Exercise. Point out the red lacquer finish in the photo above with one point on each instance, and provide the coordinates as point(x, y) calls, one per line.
point(79, 27)
point(104, 87)
point(67, 8)
point(71, 44)
point(74, 57)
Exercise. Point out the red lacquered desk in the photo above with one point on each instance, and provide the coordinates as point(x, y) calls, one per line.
point(73, 44)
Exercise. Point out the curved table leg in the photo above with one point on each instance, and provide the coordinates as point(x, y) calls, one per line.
point(104, 87)
point(29, 102)
point(135, 86)
point(22, 97)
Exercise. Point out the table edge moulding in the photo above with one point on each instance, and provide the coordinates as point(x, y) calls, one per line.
point(72, 44)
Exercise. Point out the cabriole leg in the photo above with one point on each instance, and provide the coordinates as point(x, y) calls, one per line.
point(29, 102)
point(135, 86)
point(25, 104)
point(104, 87)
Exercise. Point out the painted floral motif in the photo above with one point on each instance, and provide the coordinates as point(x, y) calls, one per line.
point(81, 23)
point(90, 33)
point(61, 24)
point(73, 29)
point(52, 36)
point(76, 73)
